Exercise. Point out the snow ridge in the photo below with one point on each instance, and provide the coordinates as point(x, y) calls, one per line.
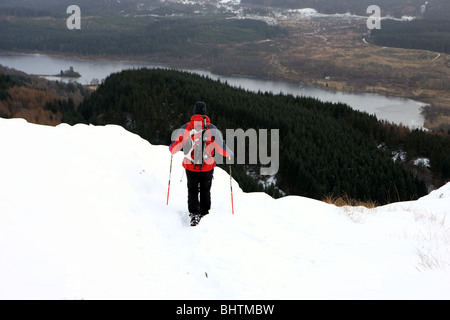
point(83, 216)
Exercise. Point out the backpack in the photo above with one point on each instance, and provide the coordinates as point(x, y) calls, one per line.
point(194, 149)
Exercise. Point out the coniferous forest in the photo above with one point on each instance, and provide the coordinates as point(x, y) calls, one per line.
point(5, 84)
point(325, 148)
point(432, 35)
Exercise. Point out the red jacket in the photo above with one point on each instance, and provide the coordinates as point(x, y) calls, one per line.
point(190, 139)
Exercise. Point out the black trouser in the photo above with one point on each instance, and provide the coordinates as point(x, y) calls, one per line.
point(199, 183)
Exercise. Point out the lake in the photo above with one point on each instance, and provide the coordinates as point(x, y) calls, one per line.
point(397, 110)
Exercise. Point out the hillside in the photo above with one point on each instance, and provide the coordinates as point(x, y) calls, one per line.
point(83, 216)
point(28, 97)
point(152, 103)
point(396, 8)
point(313, 162)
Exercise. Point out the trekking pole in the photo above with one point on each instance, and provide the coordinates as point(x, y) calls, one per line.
point(170, 175)
point(231, 187)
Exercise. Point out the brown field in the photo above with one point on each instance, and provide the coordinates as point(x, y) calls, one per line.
point(332, 54)
point(339, 53)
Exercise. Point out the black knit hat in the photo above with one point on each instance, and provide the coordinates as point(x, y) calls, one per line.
point(200, 108)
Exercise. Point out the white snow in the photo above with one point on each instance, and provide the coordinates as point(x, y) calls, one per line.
point(408, 18)
point(399, 156)
point(304, 11)
point(233, 2)
point(425, 162)
point(83, 215)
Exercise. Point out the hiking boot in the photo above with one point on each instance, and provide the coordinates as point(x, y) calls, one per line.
point(195, 219)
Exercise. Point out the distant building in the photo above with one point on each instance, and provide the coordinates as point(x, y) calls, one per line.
point(70, 73)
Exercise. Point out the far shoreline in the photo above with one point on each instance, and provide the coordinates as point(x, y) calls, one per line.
point(178, 65)
point(183, 67)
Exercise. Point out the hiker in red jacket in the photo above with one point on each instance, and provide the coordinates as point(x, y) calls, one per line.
point(199, 140)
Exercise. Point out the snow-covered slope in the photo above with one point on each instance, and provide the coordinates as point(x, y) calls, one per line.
point(83, 215)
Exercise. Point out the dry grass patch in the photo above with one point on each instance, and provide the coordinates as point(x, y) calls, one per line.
point(345, 200)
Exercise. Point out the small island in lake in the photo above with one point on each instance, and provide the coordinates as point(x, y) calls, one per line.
point(69, 73)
